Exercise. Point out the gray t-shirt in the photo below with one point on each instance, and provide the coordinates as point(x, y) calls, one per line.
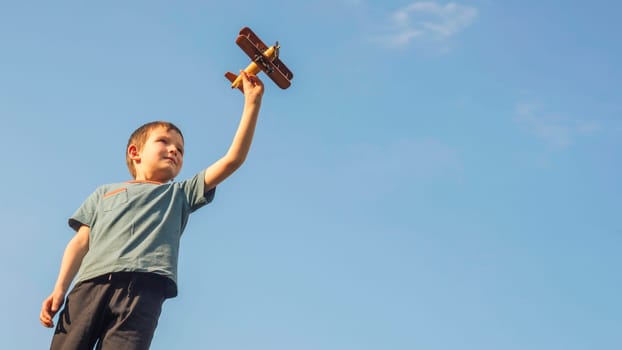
point(136, 226)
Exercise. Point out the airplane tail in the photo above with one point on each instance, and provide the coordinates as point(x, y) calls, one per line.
point(234, 80)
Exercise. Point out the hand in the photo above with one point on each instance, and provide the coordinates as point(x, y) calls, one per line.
point(253, 87)
point(50, 307)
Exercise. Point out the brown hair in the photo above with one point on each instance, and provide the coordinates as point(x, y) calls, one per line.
point(140, 136)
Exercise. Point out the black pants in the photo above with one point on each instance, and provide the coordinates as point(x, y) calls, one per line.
point(115, 311)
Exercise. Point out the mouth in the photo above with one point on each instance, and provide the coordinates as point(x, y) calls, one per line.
point(171, 159)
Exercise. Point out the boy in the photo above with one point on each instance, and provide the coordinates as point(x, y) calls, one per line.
point(127, 239)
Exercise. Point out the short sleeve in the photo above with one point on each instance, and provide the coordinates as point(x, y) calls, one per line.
point(194, 189)
point(85, 215)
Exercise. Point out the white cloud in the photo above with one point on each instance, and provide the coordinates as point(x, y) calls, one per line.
point(427, 22)
point(556, 131)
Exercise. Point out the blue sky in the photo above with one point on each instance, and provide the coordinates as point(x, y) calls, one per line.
point(440, 175)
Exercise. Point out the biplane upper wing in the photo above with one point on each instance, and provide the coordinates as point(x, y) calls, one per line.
point(273, 67)
point(254, 39)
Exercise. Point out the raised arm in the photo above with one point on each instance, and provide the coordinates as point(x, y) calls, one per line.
point(235, 156)
point(72, 258)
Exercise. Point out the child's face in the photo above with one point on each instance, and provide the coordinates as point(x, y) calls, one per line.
point(162, 156)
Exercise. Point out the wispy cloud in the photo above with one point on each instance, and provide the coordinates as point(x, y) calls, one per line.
point(556, 131)
point(427, 22)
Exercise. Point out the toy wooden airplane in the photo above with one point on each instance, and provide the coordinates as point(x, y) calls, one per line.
point(263, 59)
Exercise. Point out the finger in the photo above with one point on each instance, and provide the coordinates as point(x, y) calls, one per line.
point(255, 81)
point(45, 315)
point(248, 80)
point(45, 308)
point(244, 75)
point(249, 77)
point(55, 306)
point(46, 321)
point(46, 312)
point(245, 81)
point(258, 82)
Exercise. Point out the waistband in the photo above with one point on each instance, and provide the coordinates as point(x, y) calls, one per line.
point(138, 277)
point(147, 279)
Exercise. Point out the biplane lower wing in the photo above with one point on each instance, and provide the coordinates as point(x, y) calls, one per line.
point(272, 66)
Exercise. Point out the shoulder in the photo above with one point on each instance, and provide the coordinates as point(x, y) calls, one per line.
point(193, 180)
point(107, 189)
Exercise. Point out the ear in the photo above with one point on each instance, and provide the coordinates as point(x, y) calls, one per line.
point(132, 151)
